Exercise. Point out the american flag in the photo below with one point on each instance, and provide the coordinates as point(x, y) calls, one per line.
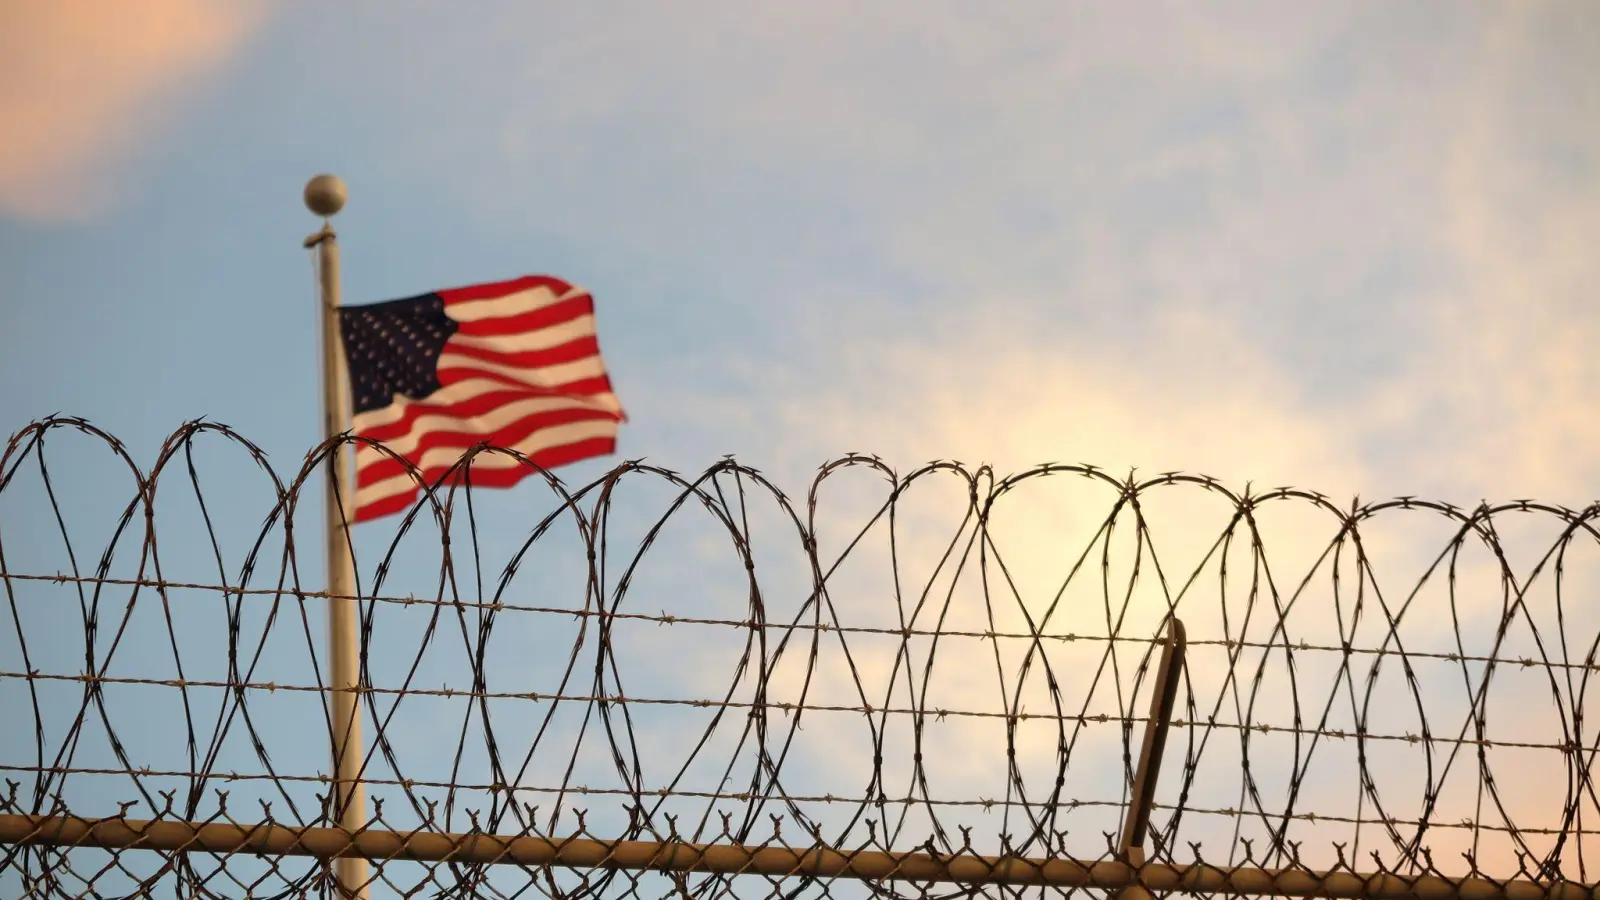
point(515, 364)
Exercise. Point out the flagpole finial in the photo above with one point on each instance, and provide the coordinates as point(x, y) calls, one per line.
point(325, 195)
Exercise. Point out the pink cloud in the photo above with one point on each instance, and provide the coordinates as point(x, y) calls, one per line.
point(84, 85)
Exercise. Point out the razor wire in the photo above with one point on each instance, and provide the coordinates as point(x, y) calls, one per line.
point(901, 689)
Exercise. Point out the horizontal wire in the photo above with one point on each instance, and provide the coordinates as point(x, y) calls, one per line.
point(787, 708)
point(823, 627)
point(757, 796)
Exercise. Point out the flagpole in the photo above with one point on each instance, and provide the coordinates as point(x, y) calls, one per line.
point(325, 196)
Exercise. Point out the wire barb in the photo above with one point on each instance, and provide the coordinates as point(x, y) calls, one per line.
point(928, 684)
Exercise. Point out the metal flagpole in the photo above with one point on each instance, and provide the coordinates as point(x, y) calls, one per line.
point(324, 196)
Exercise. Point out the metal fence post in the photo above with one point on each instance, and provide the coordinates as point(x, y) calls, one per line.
point(1134, 827)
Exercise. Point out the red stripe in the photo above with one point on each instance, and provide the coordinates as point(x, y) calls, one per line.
point(471, 407)
point(391, 504)
point(461, 410)
point(549, 458)
point(583, 387)
point(561, 354)
point(511, 433)
point(533, 320)
point(501, 288)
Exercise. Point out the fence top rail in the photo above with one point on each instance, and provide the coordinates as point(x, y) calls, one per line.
point(772, 859)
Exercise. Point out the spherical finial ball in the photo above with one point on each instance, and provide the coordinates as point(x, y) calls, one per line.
point(325, 195)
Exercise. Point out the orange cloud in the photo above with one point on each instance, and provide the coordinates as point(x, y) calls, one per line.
point(81, 84)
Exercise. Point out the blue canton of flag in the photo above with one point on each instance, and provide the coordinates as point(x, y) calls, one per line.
point(393, 348)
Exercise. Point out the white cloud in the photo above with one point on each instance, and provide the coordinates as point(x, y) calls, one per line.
point(1139, 300)
point(1514, 362)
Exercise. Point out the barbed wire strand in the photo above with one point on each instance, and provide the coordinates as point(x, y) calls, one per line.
point(1262, 705)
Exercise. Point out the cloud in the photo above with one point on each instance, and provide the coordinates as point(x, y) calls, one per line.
point(1514, 363)
point(1364, 274)
point(1373, 244)
point(1310, 251)
point(1362, 203)
point(1190, 396)
point(748, 115)
point(83, 85)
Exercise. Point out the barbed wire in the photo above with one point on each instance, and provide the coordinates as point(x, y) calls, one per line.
point(912, 667)
point(664, 619)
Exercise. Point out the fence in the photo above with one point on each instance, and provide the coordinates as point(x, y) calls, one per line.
point(928, 684)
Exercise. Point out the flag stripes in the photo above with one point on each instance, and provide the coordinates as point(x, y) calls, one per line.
point(520, 369)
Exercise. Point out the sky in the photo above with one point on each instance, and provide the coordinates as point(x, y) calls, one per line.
point(1347, 247)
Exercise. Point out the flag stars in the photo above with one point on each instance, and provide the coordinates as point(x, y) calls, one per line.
point(393, 348)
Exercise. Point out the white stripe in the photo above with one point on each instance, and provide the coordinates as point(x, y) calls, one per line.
point(538, 339)
point(488, 423)
point(542, 377)
point(444, 456)
point(566, 373)
point(510, 305)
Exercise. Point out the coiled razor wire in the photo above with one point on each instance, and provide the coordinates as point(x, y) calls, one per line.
point(904, 690)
